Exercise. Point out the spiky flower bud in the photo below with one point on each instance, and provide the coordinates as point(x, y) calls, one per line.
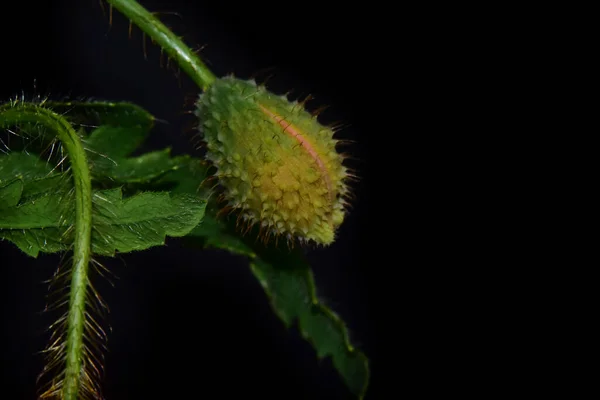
point(275, 161)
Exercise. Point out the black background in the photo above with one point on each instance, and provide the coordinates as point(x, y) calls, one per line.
point(190, 324)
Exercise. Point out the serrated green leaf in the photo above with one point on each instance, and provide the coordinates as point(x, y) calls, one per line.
point(36, 176)
point(38, 224)
point(141, 221)
point(120, 128)
point(34, 241)
point(55, 183)
point(215, 234)
point(22, 165)
point(10, 193)
point(136, 223)
point(42, 212)
point(134, 170)
point(188, 177)
point(36, 219)
point(288, 282)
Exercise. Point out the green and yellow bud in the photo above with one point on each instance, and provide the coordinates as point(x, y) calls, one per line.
point(277, 164)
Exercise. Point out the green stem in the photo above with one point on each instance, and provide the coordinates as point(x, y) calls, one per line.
point(28, 113)
point(183, 55)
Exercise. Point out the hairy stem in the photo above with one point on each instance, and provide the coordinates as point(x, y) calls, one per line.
point(183, 55)
point(28, 113)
